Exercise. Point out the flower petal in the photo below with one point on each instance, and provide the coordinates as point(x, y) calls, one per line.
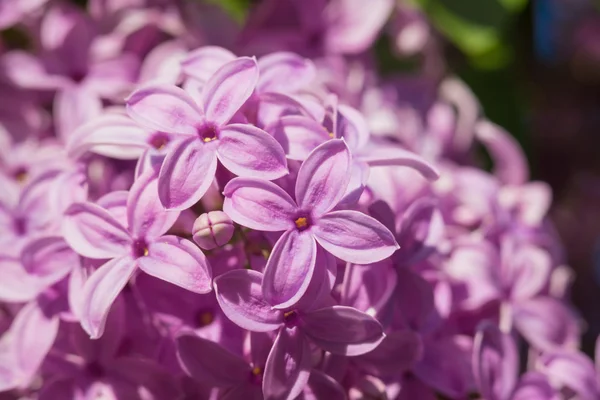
point(323, 177)
point(388, 155)
point(92, 232)
point(288, 367)
point(284, 72)
point(146, 216)
point(239, 294)
point(206, 361)
point(249, 151)
point(186, 174)
point(396, 354)
point(229, 88)
point(164, 108)
point(202, 63)
point(259, 204)
point(289, 269)
point(178, 261)
point(572, 370)
point(17, 285)
point(354, 237)
point(322, 386)
point(342, 330)
point(298, 135)
point(351, 125)
point(100, 292)
point(48, 259)
point(110, 135)
point(534, 385)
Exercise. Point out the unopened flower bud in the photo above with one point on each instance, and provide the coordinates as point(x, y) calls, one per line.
point(213, 229)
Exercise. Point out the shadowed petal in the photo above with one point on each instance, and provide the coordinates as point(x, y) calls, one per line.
point(239, 294)
point(178, 261)
point(284, 72)
point(229, 88)
point(288, 366)
point(351, 125)
point(186, 174)
point(164, 108)
point(298, 135)
point(289, 269)
point(146, 216)
point(92, 232)
point(573, 370)
point(323, 177)
point(396, 354)
point(206, 361)
point(322, 386)
point(354, 237)
point(534, 385)
point(259, 204)
point(342, 330)
point(249, 151)
point(202, 63)
point(101, 290)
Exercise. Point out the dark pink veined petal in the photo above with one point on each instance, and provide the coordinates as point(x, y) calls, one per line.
point(259, 204)
point(510, 163)
point(202, 63)
point(186, 174)
point(534, 385)
point(396, 354)
point(164, 108)
point(546, 323)
point(322, 386)
point(369, 288)
point(298, 135)
point(359, 176)
point(92, 232)
point(178, 261)
point(296, 105)
point(290, 268)
point(207, 361)
point(495, 363)
point(342, 330)
point(323, 177)
point(354, 237)
point(390, 155)
point(110, 135)
point(284, 72)
point(17, 285)
point(249, 151)
point(239, 294)
point(146, 216)
point(288, 367)
point(229, 88)
point(33, 334)
point(116, 204)
point(321, 284)
point(100, 292)
point(48, 259)
point(351, 125)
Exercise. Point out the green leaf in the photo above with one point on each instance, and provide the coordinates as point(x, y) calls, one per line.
point(514, 6)
point(236, 8)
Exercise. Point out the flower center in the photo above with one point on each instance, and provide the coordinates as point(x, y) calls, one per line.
point(20, 226)
point(256, 375)
point(290, 318)
point(140, 248)
point(204, 318)
point(159, 140)
point(302, 223)
point(21, 174)
point(94, 369)
point(208, 132)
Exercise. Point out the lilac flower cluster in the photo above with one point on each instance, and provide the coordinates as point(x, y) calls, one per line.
point(192, 223)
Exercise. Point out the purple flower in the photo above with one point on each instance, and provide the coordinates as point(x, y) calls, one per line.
point(306, 221)
point(206, 134)
point(93, 232)
point(337, 329)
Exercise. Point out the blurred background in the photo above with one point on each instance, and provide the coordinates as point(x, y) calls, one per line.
point(534, 66)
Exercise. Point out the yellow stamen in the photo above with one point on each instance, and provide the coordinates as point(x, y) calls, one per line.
point(256, 370)
point(301, 223)
point(145, 252)
point(209, 139)
point(21, 177)
point(331, 134)
point(206, 318)
point(288, 314)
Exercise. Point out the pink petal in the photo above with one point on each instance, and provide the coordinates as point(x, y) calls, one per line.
point(229, 88)
point(202, 63)
point(323, 177)
point(288, 366)
point(259, 204)
point(574, 370)
point(354, 237)
point(17, 285)
point(113, 77)
point(342, 330)
point(289, 269)
point(116, 204)
point(298, 135)
point(249, 151)
point(100, 292)
point(534, 385)
point(396, 354)
point(186, 174)
point(73, 106)
point(48, 259)
point(391, 155)
point(206, 361)
point(146, 216)
point(351, 126)
point(321, 386)
point(178, 261)
point(239, 294)
point(164, 108)
point(27, 71)
point(284, 72)
point(110, 135)
point(92, 232)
